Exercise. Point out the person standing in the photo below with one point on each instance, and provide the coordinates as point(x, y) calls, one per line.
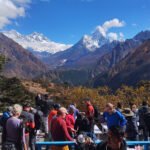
point(90, 113)
point(142, 111)
point(70, 121)
point(113, 117)
point(29, 122)
point(46, 107)
point(15, 136)
point(38, 100)
point(59, 129)
point(131, 126)
point(53, 113)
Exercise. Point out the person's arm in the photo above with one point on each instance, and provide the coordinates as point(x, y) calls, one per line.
point(122, 118)
point(24, 140)
point(64, 126)
point(32, 123)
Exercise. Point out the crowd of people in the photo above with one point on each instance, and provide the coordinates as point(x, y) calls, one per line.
point(22, 124)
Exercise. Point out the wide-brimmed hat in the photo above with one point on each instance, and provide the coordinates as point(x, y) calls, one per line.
point(127, 112)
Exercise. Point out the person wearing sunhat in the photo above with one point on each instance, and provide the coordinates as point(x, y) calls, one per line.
point(131, 126)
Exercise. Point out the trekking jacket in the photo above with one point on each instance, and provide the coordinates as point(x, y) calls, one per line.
point(28, 119)
point(46, 106)
point(82, 124)
point(114, 119)
point(131, 127)
point(142, 111)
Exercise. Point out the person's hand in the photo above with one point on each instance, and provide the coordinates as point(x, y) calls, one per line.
point(82, 113)
point(73, 130)
point(75, 141)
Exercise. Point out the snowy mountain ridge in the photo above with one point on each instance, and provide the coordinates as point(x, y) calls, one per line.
point(36, 41)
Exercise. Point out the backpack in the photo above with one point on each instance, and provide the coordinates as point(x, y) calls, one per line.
point(4, 118)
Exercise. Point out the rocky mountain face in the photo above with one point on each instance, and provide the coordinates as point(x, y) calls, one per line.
point(84, 53)
point(20, 62)
point(131, 70)
point(119, 52)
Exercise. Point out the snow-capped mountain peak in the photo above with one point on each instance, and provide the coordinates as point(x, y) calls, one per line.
point(36, 42)
point(35, 36)
point(94, 41)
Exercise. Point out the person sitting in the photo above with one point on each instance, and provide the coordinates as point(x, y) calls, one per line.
point(59, 130)
point(15, 136)
point(115, 140)
point(114, 117)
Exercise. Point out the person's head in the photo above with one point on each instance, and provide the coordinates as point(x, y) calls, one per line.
point(119, 105)
point(27, 107)
point(71, 109)
point(109, 108)
point(39, 95)
point(16, 110)
point(115, 137)
point(134, 107)
point(144, 103)
point(87, 101)
point(9, 109)
point(46, 97)
point(56, 106)
point(62, 112)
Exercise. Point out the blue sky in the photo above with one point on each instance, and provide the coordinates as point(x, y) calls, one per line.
point(67, 21)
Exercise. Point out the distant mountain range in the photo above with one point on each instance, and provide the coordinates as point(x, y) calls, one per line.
point(94, 60)
point(20, 62)
point(36, 42)
point(55, 54)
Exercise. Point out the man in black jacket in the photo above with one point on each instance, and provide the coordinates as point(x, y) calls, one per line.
point(115, 140)
point(46, 106)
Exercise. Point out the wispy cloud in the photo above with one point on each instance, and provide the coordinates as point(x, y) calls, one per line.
point(107, 25)
point(12, 9)
point(134, 25)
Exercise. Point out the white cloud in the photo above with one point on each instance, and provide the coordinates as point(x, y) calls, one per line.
point(112, 24)
point(107, 25)
point(121, 36)
point(134, 25)
point(10, 10)
point(112, 36)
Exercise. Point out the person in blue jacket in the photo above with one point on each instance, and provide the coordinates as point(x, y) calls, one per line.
point(113, 117)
